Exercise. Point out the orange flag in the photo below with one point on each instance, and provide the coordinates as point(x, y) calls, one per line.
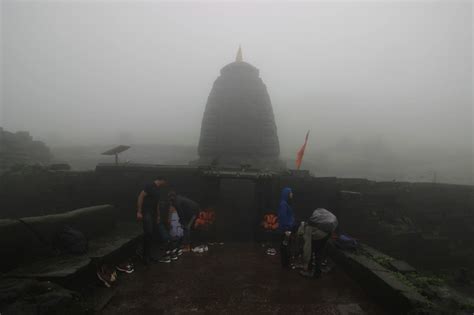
point(300, 153)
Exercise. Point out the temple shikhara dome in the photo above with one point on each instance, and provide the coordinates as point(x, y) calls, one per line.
point(238, 126)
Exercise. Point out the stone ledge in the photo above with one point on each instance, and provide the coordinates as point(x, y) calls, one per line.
point(378, 280)
point(29, 239)
point(61, 267)
point(401, 266)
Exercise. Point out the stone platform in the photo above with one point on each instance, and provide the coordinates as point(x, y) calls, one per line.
point(235, 278)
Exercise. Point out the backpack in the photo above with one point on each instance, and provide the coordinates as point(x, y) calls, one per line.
point(270, 222)
point(346, 242)
point(323, 220)
point(70, 241)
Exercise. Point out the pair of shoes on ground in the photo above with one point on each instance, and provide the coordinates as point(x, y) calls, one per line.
point(200, 249)
point(125, 268)
point(177, 251)
point(171, 255)
point(271, 251)
point(166, 259)
point(107, 277)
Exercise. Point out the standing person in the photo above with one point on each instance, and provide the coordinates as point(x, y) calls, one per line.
point(286, 221)
point(187, 210)
point(148, 211)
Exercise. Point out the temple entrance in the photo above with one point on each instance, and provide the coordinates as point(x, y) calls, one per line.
point(236, 216)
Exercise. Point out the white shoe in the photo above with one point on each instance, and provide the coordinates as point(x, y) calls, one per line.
point(198, 249)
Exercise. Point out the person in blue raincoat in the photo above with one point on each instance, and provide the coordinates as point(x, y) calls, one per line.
point(286, 224)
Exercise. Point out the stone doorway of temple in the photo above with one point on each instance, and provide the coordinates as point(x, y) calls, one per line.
point(236, 215)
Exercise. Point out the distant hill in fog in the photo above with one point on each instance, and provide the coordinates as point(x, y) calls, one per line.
point(376, 161)
point(21, 148)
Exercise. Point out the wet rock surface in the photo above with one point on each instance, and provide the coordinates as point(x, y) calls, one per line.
point(234, 279)
point(36, 297)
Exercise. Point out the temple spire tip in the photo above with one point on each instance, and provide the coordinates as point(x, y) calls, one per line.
point(239, 55)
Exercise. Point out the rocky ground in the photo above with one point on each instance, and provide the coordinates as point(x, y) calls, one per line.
point(234, 279)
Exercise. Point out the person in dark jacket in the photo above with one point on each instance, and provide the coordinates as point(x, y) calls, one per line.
point(148, 211)
point(286, 221)
point(187, 211)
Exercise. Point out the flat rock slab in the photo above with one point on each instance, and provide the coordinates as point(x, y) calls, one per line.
point(65, 266)
point(401, 266)
point(11, 289)
point(43, 297)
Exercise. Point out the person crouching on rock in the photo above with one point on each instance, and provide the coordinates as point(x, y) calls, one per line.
point(316, 232)
point(187, 210)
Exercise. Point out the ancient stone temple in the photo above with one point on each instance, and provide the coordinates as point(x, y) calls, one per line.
point(238, 126)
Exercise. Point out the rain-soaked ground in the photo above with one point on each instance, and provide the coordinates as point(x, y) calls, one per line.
point(235, 279)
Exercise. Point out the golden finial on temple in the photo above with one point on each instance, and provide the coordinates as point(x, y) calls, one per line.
point(239, 55)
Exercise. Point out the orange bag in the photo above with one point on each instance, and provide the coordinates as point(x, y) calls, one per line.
point(270, 222)
point(199, 223)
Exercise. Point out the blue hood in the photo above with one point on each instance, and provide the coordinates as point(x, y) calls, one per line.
point(285, 194)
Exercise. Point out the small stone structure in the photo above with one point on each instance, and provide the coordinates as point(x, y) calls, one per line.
point(238, 127)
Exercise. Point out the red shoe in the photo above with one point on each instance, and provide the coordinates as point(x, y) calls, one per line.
point(125, 267)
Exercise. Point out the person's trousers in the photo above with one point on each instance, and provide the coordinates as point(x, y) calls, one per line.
point(319, 247)
point(284, 251)
point(187, 227)
point(149, 224)
point(165, 237)
point(311, 235)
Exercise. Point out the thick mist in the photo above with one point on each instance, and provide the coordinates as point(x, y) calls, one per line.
point(385, 87)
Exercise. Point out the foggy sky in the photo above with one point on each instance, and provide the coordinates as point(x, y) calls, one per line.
point(86, 72)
